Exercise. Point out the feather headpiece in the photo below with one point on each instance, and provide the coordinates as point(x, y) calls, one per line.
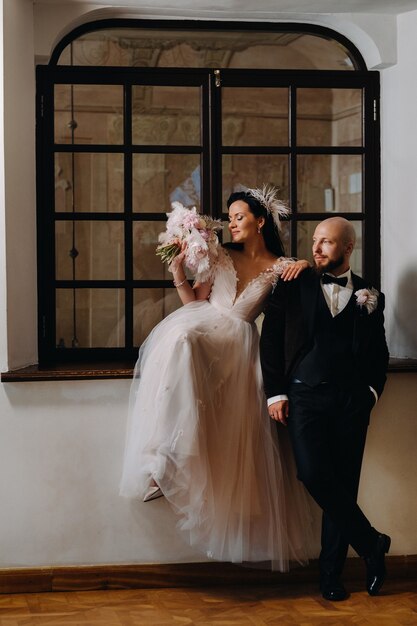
point(268, 198)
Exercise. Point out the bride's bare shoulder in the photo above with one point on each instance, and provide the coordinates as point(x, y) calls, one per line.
point(270, 260)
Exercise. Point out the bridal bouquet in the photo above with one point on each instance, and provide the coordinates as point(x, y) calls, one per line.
point(198, 232)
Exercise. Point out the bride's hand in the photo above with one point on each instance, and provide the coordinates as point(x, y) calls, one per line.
point(176, 264)
point(294, 269)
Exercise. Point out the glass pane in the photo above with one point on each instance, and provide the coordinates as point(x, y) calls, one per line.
point(89, 114)
point(89, 250)
point(166, 115)
point(89, 182)
point(244, 48)
point(254, 116)
point(90, 318)
point(146, 264)
point(305, 232)
point(329, 117)
point(159, 179)
point(243, 171)
point(329, 182)
point(150, 306)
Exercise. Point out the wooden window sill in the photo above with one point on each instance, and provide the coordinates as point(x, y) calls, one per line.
point(100, 371)
point(402, 365)
point(69, 371)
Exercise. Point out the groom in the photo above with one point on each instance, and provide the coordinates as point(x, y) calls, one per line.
point(324, 360)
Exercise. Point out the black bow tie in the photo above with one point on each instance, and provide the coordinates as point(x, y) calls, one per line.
point(326, 278)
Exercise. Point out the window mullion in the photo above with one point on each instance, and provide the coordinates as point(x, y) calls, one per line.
point(293, 166)
point(128, 223)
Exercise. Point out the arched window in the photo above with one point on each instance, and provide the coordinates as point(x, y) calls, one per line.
point(135, 114)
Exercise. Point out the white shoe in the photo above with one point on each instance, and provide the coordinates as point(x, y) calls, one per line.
point(153, 493)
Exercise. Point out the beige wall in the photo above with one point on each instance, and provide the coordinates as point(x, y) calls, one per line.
point(389, 477)
point(19, 210)
point(399, 198)
point(60, 463)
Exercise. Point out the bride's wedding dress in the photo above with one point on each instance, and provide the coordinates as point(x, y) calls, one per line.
point(199, 426)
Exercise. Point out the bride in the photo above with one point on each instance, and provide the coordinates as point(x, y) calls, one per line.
point(199, 433)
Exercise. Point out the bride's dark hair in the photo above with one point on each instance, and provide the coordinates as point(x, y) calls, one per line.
point(269, 230)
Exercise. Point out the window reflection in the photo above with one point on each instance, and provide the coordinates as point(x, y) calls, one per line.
point(89, 182)
point(159, 179)
point(249, 49)
point(254, 117)
point(166, 115)
point(329, 183)
point(97, 314)
point(329, 117)
point(89, 250)
point(88, 114)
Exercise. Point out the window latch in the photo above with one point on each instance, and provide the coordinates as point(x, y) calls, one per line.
point(217, 79)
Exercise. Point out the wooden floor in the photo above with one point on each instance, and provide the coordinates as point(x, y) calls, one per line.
point(222, 606)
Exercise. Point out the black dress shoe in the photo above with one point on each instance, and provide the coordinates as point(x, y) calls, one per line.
point(332, 588)
point(375, 565)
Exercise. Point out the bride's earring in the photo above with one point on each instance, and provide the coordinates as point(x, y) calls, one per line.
point(259, 230)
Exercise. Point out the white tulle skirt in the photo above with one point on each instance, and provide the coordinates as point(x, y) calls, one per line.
point(199, 426)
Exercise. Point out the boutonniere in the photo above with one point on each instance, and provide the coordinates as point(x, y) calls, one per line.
point(367, 298)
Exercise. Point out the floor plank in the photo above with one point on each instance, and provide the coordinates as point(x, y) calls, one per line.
point(247, 605)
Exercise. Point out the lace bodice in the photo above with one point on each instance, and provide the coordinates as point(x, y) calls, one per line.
point(248, 303)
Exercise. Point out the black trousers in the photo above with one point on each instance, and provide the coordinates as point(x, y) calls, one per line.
point(328, 428)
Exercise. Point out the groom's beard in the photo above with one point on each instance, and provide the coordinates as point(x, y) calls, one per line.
point(330, 265)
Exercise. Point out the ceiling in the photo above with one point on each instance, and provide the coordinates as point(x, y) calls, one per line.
point(393, 7)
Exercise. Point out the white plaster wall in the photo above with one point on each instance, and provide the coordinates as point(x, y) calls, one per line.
point(19, 207)
point(399, 191)
point(61, 454)
point(3, 281)
point(61, 451)
point(389, 476)
point(61, 443)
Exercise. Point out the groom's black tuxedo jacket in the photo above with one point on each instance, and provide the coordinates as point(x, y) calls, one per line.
point(288, 334)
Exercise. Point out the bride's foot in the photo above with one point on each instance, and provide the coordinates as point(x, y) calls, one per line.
point(153, 492)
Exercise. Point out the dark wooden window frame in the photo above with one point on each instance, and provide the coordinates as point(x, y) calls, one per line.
point(117, 362)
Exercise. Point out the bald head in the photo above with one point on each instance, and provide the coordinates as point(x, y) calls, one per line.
point(333, 242)
point(342, 227)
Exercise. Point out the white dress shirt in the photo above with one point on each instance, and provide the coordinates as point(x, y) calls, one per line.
point(336, 298)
